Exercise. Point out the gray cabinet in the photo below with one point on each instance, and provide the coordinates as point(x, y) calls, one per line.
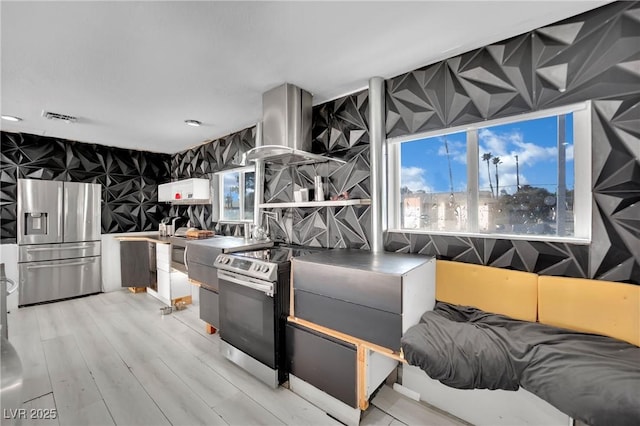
point(324, 362)
point(138, 264)
point(209, 311)
point(200, 260)
point(375, 297)
point(350, 307)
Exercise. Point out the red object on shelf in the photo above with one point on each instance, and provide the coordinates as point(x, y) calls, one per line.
point(177, 196)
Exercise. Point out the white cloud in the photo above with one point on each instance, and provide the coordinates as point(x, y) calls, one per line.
point(507, 146)
point(530, 153)
point(457, 150)
point(413, 178)
point(494, 142)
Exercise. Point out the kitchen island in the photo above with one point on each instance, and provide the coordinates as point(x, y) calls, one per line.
point(145, 262)
point(348, 312)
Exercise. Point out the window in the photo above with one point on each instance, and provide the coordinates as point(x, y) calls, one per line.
point(504, 177)
point(237, 194)
point(433, 183)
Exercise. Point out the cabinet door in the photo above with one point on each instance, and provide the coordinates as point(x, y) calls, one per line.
point(164, 286)
point(180, 286)
point(165, 192)
point(327, 363)
point(209, 311)
point(135, 265)
point(163, 256)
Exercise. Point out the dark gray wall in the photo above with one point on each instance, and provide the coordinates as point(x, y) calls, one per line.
point(593, 56)
point(129, 179)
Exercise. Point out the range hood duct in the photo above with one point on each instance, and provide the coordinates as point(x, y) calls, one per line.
point(286, 128)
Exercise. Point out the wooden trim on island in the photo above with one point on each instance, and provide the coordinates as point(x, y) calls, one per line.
point(348, 338)
point(361, 350)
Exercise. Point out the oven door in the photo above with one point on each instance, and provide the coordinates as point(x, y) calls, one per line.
point(247, 317)
point(179, 257)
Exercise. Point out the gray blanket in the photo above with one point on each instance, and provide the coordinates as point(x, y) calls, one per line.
point(592, 378)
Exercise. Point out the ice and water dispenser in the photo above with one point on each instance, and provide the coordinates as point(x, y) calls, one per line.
point(36, 223)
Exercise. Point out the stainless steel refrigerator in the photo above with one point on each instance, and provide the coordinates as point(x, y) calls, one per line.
point(58, 240)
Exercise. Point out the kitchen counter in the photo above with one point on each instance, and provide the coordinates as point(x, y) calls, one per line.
point(153, 238)
point(371, 296)
point(364, 260)
point(217, 241)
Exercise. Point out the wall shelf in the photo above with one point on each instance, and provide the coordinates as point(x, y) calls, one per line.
point(338, 203)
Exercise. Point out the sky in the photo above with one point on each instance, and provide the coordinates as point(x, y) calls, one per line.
point(424, 161)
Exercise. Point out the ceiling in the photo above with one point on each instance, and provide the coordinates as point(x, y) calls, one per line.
point(132, 72)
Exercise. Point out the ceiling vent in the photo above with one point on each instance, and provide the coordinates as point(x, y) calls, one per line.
point(56, 116)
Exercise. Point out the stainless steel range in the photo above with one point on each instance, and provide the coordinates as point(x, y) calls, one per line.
point(254, 306)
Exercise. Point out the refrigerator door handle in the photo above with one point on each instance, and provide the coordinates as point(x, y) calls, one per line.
point(184, 258)
point(32, 250)
point(57, 265)
point(12, 287)
point(60, 212)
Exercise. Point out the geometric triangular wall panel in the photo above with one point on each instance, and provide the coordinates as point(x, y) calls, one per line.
point(592, 56)
point(129, 179)
point(616, 177)
point(339, 129)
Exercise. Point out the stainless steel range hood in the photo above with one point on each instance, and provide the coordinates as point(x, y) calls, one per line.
point(286, 128)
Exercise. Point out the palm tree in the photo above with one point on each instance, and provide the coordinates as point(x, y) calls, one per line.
point(486, 157)
point(496, 161)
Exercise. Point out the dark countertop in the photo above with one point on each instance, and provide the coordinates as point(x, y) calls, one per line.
point(384, 263)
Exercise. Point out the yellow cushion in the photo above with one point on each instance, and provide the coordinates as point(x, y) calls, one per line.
point(496, 290)
point(592, 306)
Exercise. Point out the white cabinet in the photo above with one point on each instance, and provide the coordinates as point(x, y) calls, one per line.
point(172, 284)
point(187, 191)
point(164, 286)
point(165, 192)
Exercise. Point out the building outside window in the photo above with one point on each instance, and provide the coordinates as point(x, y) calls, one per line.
point(237, 194)
point(528, 175)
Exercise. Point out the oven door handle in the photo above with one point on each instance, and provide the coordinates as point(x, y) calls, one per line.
point(265, 287)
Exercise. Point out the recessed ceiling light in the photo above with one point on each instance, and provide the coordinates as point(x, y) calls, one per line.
point(11, 118)
point(194, 123)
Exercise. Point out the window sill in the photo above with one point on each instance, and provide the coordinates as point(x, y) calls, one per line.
point(540, 238)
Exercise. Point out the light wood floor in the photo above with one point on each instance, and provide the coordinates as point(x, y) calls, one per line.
point(113, 359)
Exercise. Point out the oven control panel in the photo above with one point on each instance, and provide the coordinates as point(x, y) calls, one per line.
point(252, 267)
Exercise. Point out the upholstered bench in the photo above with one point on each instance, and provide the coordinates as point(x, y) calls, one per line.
point(569, 342)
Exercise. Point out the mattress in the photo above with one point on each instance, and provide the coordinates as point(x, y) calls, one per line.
point(593, 378)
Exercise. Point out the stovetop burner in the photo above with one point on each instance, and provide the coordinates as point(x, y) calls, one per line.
point(264, 264)
point(278, 254)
